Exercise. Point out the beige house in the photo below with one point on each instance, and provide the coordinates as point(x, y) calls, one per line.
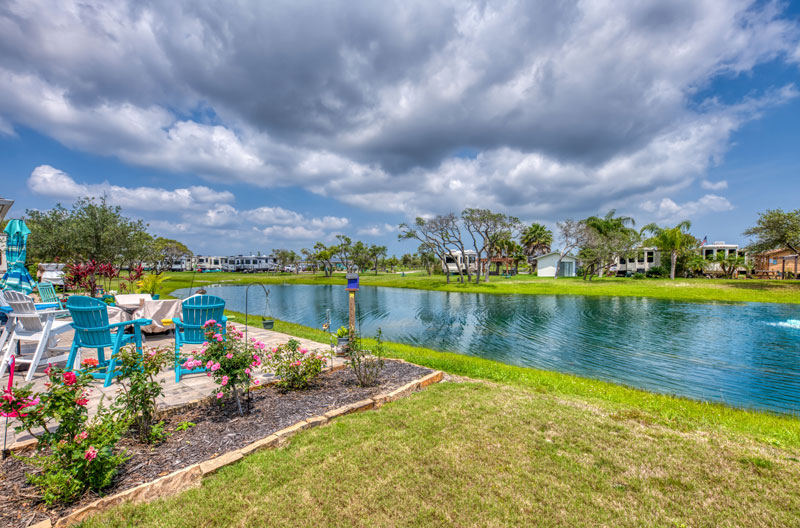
point(781, 262)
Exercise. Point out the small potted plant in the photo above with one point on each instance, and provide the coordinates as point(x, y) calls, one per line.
point(342, 336)
point(267, 324)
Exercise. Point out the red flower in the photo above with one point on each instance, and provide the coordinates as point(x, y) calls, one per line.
point(90, 454)
point(70, 378)
point(90, 362)
point(82, 401)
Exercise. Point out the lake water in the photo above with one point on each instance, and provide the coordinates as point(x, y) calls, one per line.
point(744, 354)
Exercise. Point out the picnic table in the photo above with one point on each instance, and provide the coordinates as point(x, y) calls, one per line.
point(766, 274)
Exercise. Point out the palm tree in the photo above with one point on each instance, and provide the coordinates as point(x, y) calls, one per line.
point(672, 240)
point(536, 240)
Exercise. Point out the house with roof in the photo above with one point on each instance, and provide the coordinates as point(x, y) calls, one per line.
point(781, 262)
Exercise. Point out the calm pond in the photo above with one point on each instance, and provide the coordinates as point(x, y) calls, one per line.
point(746, 355)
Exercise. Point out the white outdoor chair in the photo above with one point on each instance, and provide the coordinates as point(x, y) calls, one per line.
point(26, 324)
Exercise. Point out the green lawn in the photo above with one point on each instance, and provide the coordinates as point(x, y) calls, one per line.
point(480, 454)
point(741, 290)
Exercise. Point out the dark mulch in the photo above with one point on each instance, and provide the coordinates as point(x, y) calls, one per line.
point(217, 429)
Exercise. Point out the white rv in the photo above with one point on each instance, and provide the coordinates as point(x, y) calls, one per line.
point(719, 249)
point(644, 259)
point(456, 260)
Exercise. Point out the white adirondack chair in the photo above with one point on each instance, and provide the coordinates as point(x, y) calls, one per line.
point(26, 324)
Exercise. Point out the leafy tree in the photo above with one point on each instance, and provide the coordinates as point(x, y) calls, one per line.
point(325, 254)
point(360, 256)
point(607, 237)
point(52, 233)
point(344, 250)
point(729, 264)
point(486, 230)
point(536, 240)
point(91, 230)
point(673, 240)
point(775, 229)
point(431, 233)
point(166, 253)
point(375, 253)
point(573, 234)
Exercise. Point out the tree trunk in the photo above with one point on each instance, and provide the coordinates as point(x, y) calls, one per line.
point(673, 261)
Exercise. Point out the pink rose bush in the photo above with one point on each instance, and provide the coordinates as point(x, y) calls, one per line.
point(78, 453)
point(295, 366)
point(229, 361)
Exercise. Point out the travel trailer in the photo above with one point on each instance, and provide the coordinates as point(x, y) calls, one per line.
point(456, 260)
point(644, 259)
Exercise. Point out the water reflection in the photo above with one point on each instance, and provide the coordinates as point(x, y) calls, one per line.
point(743, 354)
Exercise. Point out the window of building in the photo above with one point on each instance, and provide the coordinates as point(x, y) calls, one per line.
point(651, 257)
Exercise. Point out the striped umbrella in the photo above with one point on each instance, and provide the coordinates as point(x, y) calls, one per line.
point(17, 277)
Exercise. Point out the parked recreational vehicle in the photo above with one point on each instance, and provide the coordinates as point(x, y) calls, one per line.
point(645, 258)
point(455, 261)
point(205, 263)
point(717, 250)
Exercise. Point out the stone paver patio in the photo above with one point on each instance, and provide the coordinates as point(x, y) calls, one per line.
point(191, 387)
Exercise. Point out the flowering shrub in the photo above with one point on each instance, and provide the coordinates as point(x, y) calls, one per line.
point(84, 461)
point(295, 366)
point(139, 388)
point(228, 360)
point(78, 453)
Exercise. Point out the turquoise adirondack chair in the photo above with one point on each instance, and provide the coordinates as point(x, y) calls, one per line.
point(47, 293)
point(92, 330)
point(191, 331)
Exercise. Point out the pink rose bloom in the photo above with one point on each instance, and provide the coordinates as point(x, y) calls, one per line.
point(82, 402)
point(303, 350)
point(274, 350)
point(90, 454)
point(229, 355)
point(219, 338)
point(70, 378)
point(210, 322)
point(224, 380)
point(81, 436)
point(256, 382)
point(215, 366)
point(219, 395)
point(247, 370)
point(209, 364)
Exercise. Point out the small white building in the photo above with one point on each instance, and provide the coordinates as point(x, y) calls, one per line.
point(546, 265)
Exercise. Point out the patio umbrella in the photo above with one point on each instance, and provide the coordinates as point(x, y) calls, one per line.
point(17, 277)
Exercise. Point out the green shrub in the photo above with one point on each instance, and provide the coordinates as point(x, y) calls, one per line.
point(85, 461)
point(77, 454)
point(638, 276)
point(139, 388)
point(295, 366)
point(366, 364)
point(657, 272)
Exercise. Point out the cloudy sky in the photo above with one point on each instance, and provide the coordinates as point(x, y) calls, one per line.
point(249, 125)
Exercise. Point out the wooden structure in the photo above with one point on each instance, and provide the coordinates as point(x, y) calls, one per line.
point(777, 263)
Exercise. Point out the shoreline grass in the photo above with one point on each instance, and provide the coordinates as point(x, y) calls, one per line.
point(690, 290)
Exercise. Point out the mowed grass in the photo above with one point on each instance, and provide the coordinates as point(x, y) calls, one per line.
point(694, 290)
point(486, 454)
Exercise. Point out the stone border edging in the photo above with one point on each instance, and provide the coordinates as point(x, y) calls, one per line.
point(192, 476)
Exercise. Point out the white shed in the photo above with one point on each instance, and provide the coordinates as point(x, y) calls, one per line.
point(546, 265)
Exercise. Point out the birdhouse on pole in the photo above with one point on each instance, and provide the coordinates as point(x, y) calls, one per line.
point(352, 288)
point(352, 282)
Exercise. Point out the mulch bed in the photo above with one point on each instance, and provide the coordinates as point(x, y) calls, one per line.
point(217, 429)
